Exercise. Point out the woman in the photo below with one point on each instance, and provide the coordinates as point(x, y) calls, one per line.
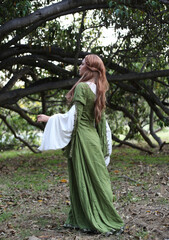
point(88, 150)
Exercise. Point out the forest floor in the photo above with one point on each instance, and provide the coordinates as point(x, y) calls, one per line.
point(34, 195)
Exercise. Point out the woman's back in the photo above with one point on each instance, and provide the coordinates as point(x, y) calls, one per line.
point(86, 96)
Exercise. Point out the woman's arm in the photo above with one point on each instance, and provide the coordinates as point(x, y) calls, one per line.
point(42, 118)
point(58, 130)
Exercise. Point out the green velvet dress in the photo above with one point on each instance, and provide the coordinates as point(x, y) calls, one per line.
point(90, 188)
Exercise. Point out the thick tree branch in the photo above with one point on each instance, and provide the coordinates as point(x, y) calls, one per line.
point(22, 35)
point(14, 79)
point(50, 51)
point(39, 23)
point(34, 61)
point(151, 100)
point(151, 95)
point(134, 120)
point(22, 113)
point(59, 9)
point(157, 111)
point(154, 135)
point(138, 76)
point(15, 95)
point(130, 144)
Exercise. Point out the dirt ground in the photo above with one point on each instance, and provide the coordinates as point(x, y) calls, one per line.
point(141, 192)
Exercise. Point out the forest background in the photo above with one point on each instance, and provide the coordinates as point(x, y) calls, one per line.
point(42, 45)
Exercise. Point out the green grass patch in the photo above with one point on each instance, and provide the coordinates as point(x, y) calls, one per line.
point(27, 154)
point(142, 234)
point(6, 215)
point(11, 154)
point(35, 181)
point(129, 156)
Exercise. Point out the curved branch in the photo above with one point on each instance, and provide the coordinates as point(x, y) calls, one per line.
point(154, 135)
point(14, 95)
point(23, 114)
point(59, 9)
point(134, 120)
point(14, 79)
point(17, 137)
point(130, 144)
point(23, 34)
point(158, 112)
point(34, 61)
point(136, 89)
point(151, 95)
point(39, 50)
point(49, 12)
point(139, 76)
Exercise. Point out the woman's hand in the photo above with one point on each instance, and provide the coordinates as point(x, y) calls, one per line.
point(42, 118)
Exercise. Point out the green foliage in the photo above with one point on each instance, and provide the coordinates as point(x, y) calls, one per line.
point(22, 129)
point(14, 9)
point(141, 40)
point(5, 216)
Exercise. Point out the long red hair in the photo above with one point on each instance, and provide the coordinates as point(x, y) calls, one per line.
point(95, 69)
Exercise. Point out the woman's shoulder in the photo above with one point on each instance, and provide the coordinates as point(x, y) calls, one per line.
point(80, 93)
point(82, 86)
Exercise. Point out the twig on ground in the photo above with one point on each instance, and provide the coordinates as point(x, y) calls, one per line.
point(130, 179)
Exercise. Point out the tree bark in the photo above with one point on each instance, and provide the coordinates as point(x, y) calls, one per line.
point(22, 113)
point(154, 135)
point(130, 144)
point(130, 116)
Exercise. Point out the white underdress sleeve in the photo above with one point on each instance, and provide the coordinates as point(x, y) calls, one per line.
point(109, 143)
point(58, 131)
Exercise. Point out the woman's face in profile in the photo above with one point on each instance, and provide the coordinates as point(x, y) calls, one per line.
point(82, 67)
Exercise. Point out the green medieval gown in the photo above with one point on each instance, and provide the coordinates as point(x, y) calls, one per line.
point(90, 188)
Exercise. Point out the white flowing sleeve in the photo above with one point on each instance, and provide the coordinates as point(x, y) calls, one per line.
point(58, 131)
point(109, 142)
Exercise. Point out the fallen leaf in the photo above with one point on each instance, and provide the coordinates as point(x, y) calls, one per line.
point(44, 237)
point(63, 181)
point(10, 203)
